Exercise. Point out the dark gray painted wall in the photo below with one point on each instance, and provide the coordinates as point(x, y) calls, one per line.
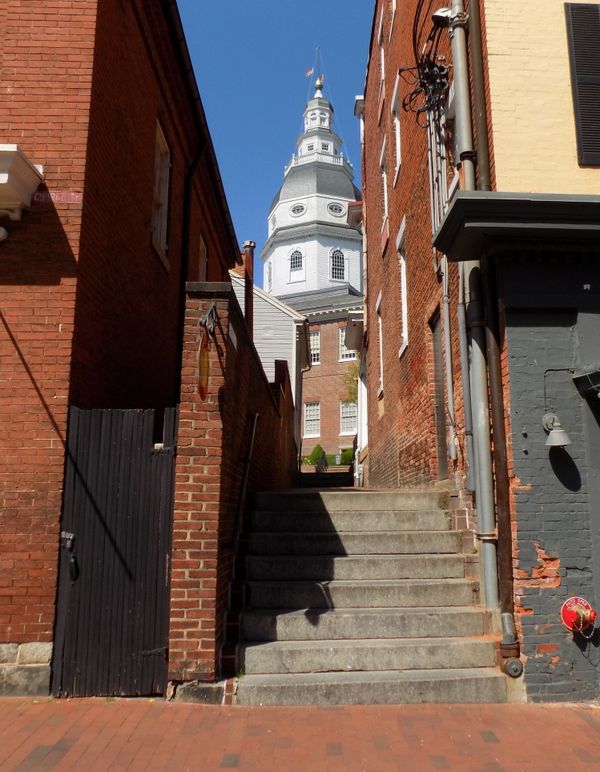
point(553, 329)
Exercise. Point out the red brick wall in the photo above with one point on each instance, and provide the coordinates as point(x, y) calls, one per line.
point(325, 383)
point(89, 313)
point(125, 345)
point(46, 76)
point(213, 437)
point(402, 438)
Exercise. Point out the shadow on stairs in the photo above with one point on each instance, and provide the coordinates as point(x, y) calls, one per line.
point(340, 477)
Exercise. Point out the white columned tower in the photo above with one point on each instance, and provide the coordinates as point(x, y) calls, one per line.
point(311, 246)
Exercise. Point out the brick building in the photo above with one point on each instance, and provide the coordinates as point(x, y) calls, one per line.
point(313, 262)
point(480, 197)
point(110, 201)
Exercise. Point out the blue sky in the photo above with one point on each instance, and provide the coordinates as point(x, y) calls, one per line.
point(250, 57)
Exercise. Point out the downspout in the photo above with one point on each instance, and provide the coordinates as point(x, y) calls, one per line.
point(486, 520)
point(509, 646)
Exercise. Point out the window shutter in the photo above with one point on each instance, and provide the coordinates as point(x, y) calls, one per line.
point(583, 28)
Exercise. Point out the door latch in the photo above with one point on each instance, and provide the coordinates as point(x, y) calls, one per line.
point(67, 539)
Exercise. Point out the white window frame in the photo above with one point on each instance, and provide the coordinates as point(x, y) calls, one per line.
point(396, 129)
point(393, 4)
point(314, 340)
point(401, 249)
point(344, 354)
point(316, 419)
point(334, 253)
point(160, 203)
point(381, 52)
point(384, 184)
point(296, 274)
point(379, 344)
point(294, 259)
point(348, 412)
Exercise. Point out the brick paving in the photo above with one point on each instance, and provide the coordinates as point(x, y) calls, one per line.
point(106, 734)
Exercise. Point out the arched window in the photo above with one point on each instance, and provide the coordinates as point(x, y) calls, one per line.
point(296, 260)
point(338, 265)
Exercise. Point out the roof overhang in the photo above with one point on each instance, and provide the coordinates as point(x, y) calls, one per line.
point(19, 179)
point(479, 221)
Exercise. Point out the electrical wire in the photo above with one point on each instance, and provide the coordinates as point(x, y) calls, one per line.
point(430, 74)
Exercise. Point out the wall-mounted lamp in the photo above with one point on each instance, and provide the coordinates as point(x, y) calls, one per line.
point(557, 436)
point(3, 234)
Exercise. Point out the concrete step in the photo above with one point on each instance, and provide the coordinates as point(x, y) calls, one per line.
point(360, 623)
point(350, 500)
point(299, 567)
point(360, 520)
point(368, 654)
point(360, 594)
point(469, 685)
point(350, 543)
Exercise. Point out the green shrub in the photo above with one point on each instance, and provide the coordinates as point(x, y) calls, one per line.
point(315, 454)
point(347, 456)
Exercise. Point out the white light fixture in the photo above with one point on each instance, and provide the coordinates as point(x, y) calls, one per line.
point(19, 179)
point(442, 17)
point(3, 234)
point(557, 436)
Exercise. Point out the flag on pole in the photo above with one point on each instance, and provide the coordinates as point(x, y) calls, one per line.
point(308, 73)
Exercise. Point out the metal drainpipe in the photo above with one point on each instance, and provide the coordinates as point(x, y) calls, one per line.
point(486, 520)
point(509, 646)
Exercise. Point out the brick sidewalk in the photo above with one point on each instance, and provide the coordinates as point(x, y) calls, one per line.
point(153, 735)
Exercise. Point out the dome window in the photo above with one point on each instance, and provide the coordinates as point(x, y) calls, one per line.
point(338, 265)
point(297, 210)
point(336, 209)
point(296, 260)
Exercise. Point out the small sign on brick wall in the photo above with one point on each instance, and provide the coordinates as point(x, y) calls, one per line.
point(57, 197)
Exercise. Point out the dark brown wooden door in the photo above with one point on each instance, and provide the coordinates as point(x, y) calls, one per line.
point(113, 599)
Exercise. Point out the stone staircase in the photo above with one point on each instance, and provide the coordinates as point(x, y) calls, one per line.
point(359, 597)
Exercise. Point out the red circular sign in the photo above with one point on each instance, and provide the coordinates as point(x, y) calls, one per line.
point(577, 614)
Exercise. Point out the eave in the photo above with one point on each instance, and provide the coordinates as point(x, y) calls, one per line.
point(479, 221)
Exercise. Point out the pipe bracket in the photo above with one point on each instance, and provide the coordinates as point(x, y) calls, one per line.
point(459, 20)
